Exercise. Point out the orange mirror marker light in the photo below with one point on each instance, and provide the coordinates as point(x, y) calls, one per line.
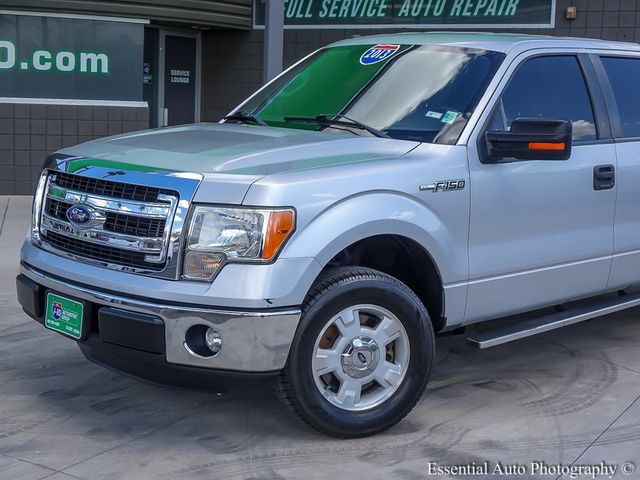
point(280, 226)
point(546, 146)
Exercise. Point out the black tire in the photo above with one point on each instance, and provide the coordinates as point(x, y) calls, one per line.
point(341, 288)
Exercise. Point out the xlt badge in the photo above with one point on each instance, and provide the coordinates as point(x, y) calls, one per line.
point(443, 186)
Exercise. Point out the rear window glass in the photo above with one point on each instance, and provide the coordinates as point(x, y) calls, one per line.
point(624, 75)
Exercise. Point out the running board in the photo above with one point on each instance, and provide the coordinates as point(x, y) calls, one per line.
point(528, 328)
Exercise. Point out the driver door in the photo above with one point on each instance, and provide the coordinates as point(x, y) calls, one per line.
point(540, 233)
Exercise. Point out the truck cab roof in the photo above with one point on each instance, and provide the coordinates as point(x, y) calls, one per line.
point(499, 42)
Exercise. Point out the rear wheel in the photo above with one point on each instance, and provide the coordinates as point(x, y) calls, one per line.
point(362, 355)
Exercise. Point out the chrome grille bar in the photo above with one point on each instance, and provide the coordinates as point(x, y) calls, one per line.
point(152, 246)
point(142, 209)
point(108, 187)
point(100, 255)
point(114, 222)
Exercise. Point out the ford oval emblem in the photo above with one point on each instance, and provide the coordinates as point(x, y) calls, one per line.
point(81, 216)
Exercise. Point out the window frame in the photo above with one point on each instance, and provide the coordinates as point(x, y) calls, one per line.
point(617, 125)
point(595, 93)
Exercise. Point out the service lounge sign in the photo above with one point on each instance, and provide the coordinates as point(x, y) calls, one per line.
point(48, 57)
point(414, 13)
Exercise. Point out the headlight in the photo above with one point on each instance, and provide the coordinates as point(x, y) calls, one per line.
point(218, 235)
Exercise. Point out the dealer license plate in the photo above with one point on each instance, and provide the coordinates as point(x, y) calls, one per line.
point(64, 315)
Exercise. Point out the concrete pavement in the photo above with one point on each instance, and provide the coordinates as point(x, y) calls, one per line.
point(567, 397)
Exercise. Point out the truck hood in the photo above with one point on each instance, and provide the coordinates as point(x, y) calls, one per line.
point(231, 149)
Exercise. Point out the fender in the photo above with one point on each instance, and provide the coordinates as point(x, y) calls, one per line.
point(377, 213)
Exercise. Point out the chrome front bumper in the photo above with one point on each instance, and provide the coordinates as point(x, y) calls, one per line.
point(253, 341)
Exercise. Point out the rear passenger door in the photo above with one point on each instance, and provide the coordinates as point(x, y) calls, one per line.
point(620, 75)
point(540, 233)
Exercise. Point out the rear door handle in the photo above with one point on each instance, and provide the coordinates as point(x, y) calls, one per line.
point(604, 177)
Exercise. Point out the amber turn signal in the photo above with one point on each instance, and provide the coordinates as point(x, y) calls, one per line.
point(280, 226)
point(546, 146)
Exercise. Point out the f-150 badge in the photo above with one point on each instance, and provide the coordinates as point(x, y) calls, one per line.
point(443, 186)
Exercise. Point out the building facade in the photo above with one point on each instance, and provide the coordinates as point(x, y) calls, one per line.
point(73, 70)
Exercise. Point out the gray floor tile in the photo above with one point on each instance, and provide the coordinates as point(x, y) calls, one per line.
point(16, 221)
point(12, 469)
point(619, 446)
point(613, 338)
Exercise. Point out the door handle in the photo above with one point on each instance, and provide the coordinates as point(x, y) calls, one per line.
point(604, 177)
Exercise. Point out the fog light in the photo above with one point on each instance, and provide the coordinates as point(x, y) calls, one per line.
point(213, 340)
point(202, 341)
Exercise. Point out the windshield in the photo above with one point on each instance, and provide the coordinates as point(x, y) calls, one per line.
point(420, 93)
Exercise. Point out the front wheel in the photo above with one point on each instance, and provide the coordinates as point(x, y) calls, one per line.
point(362, 355)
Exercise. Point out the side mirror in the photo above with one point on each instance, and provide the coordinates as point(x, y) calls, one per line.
point(532, 139)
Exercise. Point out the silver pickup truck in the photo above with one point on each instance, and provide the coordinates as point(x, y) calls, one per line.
point(379, 192)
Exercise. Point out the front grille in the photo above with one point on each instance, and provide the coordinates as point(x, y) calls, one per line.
point(115, 222)
point(132, 233)
point(99, 252)
point(109, 188)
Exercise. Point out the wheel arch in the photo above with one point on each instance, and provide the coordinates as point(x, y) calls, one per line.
point(402, 258)
point(408, 227)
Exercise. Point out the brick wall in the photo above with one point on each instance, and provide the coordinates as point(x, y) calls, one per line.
point(28, 133)
point(231, 70)
point(232, 61)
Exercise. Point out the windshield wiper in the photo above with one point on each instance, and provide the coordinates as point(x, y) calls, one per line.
point(245, 117)
point(338, 120)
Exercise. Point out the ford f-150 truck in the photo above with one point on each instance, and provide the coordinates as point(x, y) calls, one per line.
point(380, 191)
